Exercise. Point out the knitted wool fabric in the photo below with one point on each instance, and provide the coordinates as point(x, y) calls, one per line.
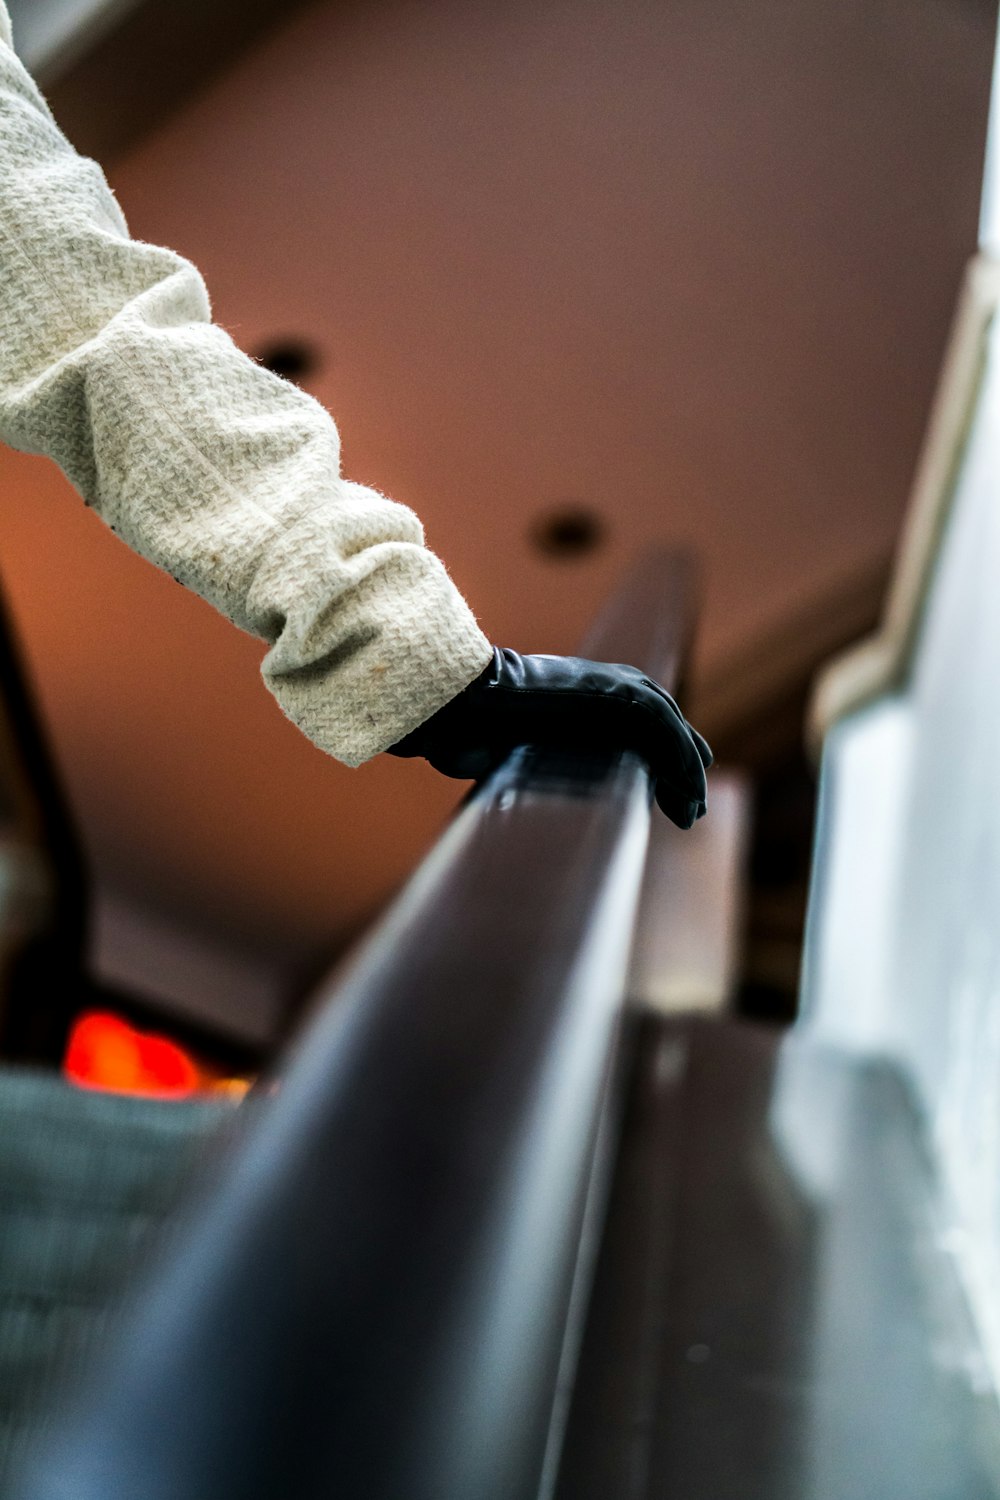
point(207, 464)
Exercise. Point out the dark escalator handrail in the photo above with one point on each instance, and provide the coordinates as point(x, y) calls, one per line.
point(376, 1302)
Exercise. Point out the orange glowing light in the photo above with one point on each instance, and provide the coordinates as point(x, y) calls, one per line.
point(233, 1089)
point(104, 1052)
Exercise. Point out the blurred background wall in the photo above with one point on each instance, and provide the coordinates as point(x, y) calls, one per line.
point(572, 277)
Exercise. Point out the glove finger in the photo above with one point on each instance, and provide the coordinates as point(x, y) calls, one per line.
point(678, 808)
point(673, 751)
point(702, 746)
point(700, 743)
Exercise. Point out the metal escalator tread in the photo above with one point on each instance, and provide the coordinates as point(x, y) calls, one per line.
point(85, 1178)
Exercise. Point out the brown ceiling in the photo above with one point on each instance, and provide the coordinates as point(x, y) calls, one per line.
point(690, 265)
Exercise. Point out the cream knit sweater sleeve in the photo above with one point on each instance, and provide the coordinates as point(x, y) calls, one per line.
point(216, 470)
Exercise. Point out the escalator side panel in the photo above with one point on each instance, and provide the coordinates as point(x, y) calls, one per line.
point(773, 1316)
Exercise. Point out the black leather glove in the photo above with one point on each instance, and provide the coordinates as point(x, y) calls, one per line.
point(574, 704)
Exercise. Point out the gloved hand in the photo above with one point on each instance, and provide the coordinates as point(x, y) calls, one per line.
point(574, 704)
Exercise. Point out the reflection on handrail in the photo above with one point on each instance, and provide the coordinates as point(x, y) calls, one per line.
point(382, 1297)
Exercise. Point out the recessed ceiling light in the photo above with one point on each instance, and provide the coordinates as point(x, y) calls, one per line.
point(569, 532)
point(292, 359)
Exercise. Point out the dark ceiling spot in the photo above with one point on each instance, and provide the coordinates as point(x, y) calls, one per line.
point(292, 359)
point(570, 532)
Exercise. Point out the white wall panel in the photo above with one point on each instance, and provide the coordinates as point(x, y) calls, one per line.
point(904, 951)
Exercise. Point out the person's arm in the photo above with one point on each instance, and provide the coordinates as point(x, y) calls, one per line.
point(229, 478)
point(201, 460)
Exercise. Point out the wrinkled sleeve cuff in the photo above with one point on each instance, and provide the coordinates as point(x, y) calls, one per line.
point(405, 644)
